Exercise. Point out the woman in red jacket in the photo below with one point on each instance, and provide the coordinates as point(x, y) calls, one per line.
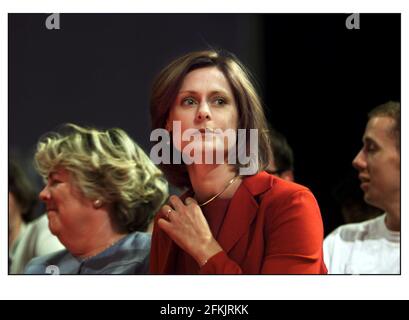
point(235, 218)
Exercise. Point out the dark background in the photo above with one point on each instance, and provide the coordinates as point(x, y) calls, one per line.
point(318, 79)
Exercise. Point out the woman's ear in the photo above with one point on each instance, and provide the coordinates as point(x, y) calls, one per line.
point(97, 204)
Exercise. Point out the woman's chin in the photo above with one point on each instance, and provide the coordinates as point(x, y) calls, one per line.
point(53, 223)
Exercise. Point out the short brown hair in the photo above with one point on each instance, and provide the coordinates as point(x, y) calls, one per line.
point(389, 109)
point(250, 109)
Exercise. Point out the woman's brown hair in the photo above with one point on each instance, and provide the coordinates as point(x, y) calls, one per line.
point(250, 110)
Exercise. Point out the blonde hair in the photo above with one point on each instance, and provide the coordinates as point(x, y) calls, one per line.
point(110, 166)
point(250, 109)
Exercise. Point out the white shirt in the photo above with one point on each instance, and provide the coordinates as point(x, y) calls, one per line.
point(34, 240)
point(363, 248)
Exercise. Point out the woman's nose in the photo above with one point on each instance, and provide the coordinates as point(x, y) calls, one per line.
point(45, 194)
point(203, 113)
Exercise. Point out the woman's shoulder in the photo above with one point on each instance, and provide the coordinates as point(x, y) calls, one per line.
point(268, 184)
point(287, 188)
point(283, 193)
point(45, 264)
point(138, 241)
point(289, 203)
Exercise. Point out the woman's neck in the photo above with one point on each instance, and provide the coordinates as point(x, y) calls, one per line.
point(208, 180)
point(103, 245)
point(96, 238)
point(89, 251)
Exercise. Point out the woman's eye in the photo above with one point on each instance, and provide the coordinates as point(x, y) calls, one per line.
point(188, 101)
point(54, 182)
point(220, 101)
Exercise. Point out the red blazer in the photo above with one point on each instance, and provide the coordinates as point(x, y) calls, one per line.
point(272, 226)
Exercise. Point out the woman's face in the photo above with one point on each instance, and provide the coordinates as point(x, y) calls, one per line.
point(204, 102)
point(69, 212)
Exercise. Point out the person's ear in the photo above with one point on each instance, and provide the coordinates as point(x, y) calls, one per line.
point(97, 203)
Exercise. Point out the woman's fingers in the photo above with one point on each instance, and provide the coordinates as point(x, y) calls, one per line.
point(190, 200)
point(176, 203)
point(166, 226)
point(186, 225)
point(167, 211)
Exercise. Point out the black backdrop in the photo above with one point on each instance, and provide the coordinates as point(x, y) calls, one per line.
point(317, 78)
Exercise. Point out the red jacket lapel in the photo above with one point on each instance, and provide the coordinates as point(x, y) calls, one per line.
point(242, 210)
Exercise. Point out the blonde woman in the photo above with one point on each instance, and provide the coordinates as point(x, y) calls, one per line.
point(101, 193)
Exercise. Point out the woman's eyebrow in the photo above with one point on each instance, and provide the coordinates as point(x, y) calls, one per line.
point(187, 91)
point(219, 91)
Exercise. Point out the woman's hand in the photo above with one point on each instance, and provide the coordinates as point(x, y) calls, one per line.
point(186, 225)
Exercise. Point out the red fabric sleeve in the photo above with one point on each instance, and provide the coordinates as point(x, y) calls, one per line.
point(294, 237)
point(293, 234)
point(220, 263)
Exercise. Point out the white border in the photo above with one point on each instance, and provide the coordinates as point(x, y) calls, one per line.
point(188, 287)
point(188, 6)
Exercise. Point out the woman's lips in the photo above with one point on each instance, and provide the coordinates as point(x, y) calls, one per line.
point(205, 131)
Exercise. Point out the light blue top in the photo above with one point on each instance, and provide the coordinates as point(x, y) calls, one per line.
point(129, 255)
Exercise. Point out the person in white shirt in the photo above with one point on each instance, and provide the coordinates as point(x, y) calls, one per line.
point(34, 240)
point(373, 246)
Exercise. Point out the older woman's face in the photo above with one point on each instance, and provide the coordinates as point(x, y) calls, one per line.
point(205, 101)
point(69, 212)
